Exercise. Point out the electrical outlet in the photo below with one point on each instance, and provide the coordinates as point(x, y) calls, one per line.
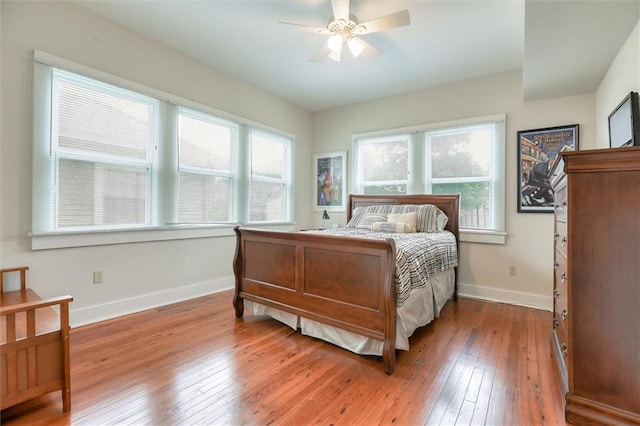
point(513, 270)
point(97, 277)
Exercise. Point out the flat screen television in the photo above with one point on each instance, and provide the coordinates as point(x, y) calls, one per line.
point(624, 123)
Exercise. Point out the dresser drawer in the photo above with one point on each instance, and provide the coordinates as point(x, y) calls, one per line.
point(560, 266)
point(563, 340)
point(560, 238)
point(560, 191)
point(560, 204)
point(560, 309)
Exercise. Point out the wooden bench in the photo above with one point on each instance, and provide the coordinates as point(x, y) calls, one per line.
point(34, 344)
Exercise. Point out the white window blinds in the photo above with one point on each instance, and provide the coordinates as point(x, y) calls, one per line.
point(206, 167)
point(99, 152)
point(270, 182)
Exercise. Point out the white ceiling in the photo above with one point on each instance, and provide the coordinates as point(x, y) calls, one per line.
point(564, 46)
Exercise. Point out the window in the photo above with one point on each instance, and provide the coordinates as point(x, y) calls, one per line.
point(464, 157)
point(206, 168)
point(269, 188)
point(459, 161)
point(113, 155)
point(103, 138)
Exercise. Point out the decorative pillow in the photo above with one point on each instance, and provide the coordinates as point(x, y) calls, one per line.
point(369, 219)
point(442, 220)
point(408, 218)
point(358, 213)
point(429, 217)
point(396, 227)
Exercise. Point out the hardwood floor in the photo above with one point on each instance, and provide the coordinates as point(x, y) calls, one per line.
point(194, 363)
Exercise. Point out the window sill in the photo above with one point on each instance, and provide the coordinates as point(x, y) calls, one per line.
point(484, 237)
point(54, 240)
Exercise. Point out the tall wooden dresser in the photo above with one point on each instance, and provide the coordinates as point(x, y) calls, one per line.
point(596, 324)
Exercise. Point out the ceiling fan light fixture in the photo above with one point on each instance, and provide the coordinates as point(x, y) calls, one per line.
point(336, 56)
point(355, 46)
point(335, 42)
point(344, 31)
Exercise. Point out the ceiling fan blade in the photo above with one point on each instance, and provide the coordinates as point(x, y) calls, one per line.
point(307, 28)
point(322, 53)
point(398, 19)
point(340, 9)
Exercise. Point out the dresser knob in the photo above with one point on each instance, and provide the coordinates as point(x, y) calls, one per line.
point(555, 265)
point(556, 293)
point(564, 349)
point(555, 322)
point(564, 241)
point(556, 236)
point(564, 313)
point(563, 277)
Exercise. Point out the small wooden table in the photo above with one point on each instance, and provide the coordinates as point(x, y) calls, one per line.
point(34, 344)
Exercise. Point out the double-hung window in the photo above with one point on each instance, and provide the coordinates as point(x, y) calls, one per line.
point(270, 188)
point(112, 155)
point(461, 161)
point(103, 141)
point(465, 157)
point(206, 167)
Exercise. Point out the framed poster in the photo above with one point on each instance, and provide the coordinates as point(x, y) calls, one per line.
point(330, 171)
point(538, 150)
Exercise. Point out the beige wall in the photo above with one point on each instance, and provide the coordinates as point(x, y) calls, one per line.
point(529, 245)
point(622, 77)
point(136, 275)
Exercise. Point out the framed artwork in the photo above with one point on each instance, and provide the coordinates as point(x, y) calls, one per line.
point(330, 171)
point(538, 150)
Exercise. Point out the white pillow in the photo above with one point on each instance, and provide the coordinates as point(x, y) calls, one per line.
point(408, 218)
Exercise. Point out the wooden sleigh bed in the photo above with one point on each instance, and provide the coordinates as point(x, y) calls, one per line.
point(342, 282)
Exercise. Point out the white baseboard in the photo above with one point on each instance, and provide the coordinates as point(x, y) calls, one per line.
point(518, 298)
point(95, 313)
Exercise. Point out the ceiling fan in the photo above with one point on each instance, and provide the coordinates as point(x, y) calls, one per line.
point(343, 30)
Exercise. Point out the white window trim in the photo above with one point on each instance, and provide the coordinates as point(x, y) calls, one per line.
point(93, 237)
point(482, 236)
point(55, 240)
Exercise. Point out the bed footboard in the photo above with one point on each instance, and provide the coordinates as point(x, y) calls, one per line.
point(343, 282)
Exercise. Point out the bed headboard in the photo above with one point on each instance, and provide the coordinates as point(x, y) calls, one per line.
point(449, 204)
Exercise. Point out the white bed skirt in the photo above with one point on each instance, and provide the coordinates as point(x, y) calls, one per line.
point(423, 305)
